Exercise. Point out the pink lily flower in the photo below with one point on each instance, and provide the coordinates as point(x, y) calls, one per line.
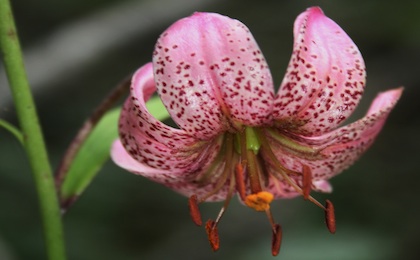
point(236, 136)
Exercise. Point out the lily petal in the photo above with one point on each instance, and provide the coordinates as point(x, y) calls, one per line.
point(212, 76)
point(345, 145)
point(354, 139)
point(180, 184)
point(153, 143)
point(322, 186)
point(325, 78)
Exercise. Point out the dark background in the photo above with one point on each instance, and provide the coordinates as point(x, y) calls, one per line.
point(76, 51)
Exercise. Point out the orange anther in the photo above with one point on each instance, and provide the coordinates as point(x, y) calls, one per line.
point(276, 241)
point(194, 210)
point(259, 201)
point(306, 181)
point(213, 234)
point(330, 216)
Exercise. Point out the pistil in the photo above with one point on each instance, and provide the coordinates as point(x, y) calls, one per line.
point(259, 199)
point(249, 147)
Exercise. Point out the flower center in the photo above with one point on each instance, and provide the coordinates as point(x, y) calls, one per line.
point(244, 158)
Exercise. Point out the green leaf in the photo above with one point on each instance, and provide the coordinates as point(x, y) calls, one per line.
point(96, 151)
point(13, 130)
point(91, 156)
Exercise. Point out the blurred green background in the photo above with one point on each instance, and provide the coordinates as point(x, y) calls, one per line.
point(77, 51)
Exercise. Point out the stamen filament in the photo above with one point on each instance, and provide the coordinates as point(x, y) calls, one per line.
point(204, 178)
point(227, 169)
point(227, 200)
point(211, 226)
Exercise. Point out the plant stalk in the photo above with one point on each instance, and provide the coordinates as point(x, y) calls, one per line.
point(33, 138)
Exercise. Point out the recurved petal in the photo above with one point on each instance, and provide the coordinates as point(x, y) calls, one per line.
point(179, 183)
point(325, 78)
point(123, 159)
point(211, 74)
point(322, 186)
point(342, 147)
point(153, 143)
point(354, 139)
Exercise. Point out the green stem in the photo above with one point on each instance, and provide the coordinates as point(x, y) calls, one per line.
point(13, 130)
point(33, 139)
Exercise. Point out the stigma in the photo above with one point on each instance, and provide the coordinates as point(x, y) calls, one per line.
point(244, 158)
point(259, 201)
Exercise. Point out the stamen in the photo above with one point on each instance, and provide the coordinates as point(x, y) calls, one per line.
point(240, 182)
point(307, 181)
point(330, 216)
point(211, 226)
point(282, 170)
point(194, 210)
point(229, 172)
point(276, 241)
point(259, 201)
point(213, 234)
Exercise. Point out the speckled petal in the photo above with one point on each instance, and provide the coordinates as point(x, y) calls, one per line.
point(325, 78)
point(178, 183)
point(340, 148)
point(354, 139)
point(153, 143)
point(211, 75)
